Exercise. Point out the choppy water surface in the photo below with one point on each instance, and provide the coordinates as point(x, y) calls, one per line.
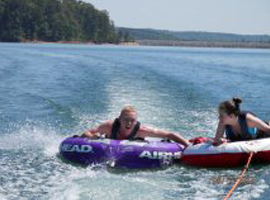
point(51, 91)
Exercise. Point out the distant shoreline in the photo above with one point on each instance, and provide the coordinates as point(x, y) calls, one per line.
point(171, 43)
point(216, 44)
point(78, 42)
point(154, 37)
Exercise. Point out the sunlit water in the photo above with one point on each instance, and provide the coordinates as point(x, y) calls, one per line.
point(50, 91)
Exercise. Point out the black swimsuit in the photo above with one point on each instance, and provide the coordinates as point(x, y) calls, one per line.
point(116, 127)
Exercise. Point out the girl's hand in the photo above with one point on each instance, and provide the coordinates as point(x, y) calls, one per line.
point(219, 142)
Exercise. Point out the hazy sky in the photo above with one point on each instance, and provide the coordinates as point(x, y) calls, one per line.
point(230, 16)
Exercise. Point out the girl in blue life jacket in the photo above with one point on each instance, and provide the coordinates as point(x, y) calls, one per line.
point(238, 125)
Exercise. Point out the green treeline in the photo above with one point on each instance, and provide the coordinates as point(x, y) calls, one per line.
point(165, 35)
point(55, 20)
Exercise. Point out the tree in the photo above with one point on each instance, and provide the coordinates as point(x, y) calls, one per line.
point(54, 20)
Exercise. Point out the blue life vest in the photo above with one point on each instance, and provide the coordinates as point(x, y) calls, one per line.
point(247, 133)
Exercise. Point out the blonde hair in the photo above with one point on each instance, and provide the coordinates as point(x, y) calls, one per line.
point(128, 108)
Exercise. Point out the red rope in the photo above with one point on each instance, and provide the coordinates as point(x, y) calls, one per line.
point(240, 177)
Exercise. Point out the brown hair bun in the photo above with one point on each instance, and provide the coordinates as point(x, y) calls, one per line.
point(231, 106)
point(237, 101)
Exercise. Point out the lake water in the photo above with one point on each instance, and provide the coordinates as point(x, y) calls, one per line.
point(51, 91)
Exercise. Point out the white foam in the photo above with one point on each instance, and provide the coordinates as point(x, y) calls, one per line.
point(31, 136)
point(2, 197)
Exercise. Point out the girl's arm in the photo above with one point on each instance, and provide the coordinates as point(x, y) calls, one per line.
point(253, 121)
point(154, 132)
point(219, 134)
point(104, 128)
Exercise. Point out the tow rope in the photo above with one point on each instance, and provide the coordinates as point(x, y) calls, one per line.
point(240, 177)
